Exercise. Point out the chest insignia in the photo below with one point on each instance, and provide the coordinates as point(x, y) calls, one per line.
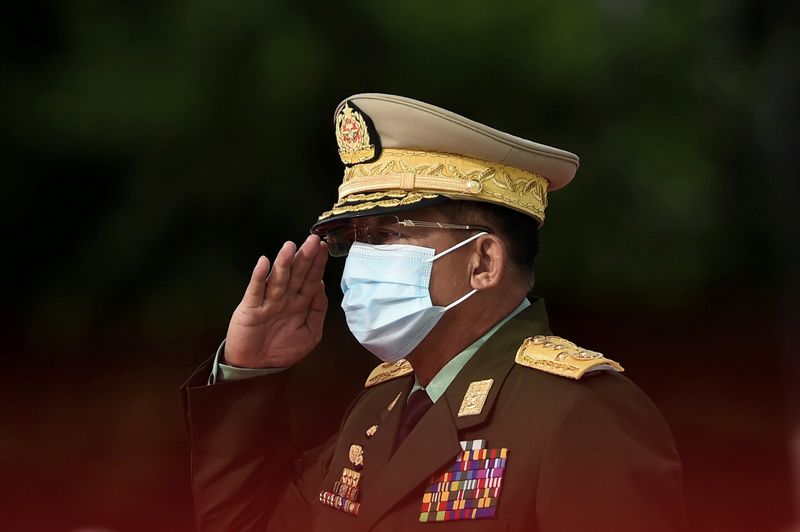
point(346, 491)
point(394, 402)
point(468, 489)
point(356, 455)
point(474, 399)
point(345, 494)
point(471, 445)
point(561, 357)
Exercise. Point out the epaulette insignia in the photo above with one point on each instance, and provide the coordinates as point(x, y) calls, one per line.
point(388, 371)
point(561, 357)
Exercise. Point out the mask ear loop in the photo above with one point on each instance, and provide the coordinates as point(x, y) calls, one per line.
point(460, 299)
point(453, 248)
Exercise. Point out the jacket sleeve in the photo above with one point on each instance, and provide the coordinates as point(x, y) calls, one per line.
point(610, 465)
point(245, 473)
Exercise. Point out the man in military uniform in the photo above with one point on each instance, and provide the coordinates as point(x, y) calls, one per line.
point(478, 418)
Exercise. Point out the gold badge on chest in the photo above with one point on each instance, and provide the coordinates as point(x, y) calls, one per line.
point(346, 491)
point(356, 455)
point(394, 402)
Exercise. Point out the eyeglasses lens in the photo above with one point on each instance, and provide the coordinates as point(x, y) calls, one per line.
point(377, 230)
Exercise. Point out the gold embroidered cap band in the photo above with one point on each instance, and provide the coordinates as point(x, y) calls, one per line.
point(402, 154)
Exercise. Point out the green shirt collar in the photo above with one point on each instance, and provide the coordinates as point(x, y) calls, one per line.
point(444, 378)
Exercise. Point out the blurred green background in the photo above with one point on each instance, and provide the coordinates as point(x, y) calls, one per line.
point(152, 150)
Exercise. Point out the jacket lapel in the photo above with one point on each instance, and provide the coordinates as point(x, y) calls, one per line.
point(494, 360)
point(428, 447)
point(434, 442)
point(378, 449)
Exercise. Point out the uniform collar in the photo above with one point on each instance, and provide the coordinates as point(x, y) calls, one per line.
point(442, 380)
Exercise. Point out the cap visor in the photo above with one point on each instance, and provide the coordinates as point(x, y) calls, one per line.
point(368, 208)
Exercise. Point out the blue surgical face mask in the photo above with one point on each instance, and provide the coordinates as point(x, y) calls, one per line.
point(387, 301)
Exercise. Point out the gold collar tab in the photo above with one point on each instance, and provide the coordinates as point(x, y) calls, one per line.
point(388, 371)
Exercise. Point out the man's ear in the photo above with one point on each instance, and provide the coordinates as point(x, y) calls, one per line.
point(488, 262)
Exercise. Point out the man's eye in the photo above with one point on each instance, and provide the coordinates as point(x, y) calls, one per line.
point(388, 235)
point(386, 232)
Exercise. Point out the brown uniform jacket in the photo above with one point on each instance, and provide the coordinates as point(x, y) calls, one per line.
point(582, 455)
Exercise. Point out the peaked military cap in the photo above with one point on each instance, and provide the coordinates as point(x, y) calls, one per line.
point(403, 154)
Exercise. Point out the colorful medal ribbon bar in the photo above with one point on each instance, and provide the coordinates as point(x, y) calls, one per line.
point(469, 489)
point(339, 502)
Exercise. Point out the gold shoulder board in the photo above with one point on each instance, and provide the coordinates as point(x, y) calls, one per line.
point(388, 371)
point(561, 357)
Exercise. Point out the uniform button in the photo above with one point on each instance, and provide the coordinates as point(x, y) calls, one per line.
point(473, 186)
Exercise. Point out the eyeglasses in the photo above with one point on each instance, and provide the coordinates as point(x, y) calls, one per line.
point(381, 230)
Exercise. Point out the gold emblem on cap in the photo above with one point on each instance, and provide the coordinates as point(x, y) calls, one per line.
point(356, 455)
point(372, 430)
point(352, 137)
point(474, 399)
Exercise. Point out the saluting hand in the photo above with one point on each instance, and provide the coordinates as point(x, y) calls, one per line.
point(279, 320)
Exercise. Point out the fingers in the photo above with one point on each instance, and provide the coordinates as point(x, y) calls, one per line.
point(303, 260)
point(254, 293)
point(297, 272)
point(278, 279)
point(315, 272)
point(316, 311)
